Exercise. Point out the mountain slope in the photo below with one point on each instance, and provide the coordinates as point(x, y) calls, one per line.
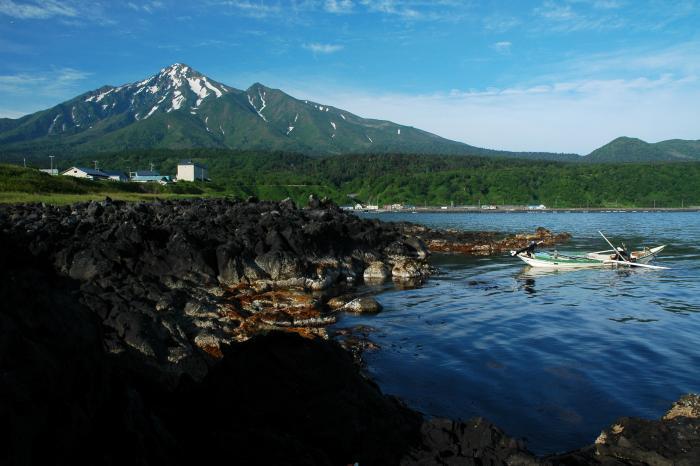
point(181, 108)
point(625, 149)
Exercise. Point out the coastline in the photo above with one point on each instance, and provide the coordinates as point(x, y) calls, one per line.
point(196, 323)
point(506, 210)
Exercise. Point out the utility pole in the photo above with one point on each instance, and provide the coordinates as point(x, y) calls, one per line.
point(95, 162)
point(25, 162)
point(51, 157)
point(152, 166)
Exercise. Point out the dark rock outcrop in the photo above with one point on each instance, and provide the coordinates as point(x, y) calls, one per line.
point(672, 440)
point(474, 442)
point(177, 281)
point(117, 327)
point(477, 242)
point(275, 399)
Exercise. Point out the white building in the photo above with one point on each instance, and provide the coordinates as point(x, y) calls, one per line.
point(191, 171)
point(82, 172)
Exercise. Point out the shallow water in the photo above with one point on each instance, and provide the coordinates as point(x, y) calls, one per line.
point(553, 357)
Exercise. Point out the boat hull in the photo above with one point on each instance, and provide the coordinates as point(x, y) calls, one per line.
point(551, 262)
point(641, 257)
point(590, 260)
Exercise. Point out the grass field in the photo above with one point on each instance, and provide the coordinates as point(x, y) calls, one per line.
point(62, 198)
point(25, 185)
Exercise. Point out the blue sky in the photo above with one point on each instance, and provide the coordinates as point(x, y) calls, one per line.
point(564, 76)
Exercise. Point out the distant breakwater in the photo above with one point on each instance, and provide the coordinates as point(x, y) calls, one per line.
point(175, 332)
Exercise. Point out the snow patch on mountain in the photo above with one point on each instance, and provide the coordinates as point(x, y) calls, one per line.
point(343, 116)
point(290, 129)
point(99, 97)
point(53, 124)
point(200, 90)
point(333, 125)
point(213, 88)
point(153, 110)
point(258, 111)
point(177, 101)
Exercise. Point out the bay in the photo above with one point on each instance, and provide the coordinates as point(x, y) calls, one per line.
point(552, 357)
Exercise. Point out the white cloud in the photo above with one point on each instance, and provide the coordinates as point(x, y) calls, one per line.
point(338, 6)
point(252, 9)
point(564, 17)
point(682, 59)
point(36, 10)
point(148, 7)
point(323, 48)
point(556, 11)
point(393, 7)
point(607, 4)
point(502, 47)
point(11, 113)
point(573, 116)
point(56, 83)
point(500, 23)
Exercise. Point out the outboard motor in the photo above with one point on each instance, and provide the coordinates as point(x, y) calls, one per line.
point(529, 249)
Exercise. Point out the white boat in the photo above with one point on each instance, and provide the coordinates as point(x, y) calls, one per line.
point(607, 258)
point(642, 257)
point(555, 260)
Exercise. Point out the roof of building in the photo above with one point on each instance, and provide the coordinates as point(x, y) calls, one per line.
point(189, 162)
point(146, 173)
point(87, 171)
point(113, 173)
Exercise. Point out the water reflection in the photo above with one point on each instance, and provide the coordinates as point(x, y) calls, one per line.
point(529, 285)
point(551, 355)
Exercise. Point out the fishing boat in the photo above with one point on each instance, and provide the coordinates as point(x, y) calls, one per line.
point(643, 257)
point(611, 257)
point(556, 260)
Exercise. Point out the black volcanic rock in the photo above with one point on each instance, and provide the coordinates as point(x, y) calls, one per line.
point(158, 274)
point(276, 399)
point(117, 346)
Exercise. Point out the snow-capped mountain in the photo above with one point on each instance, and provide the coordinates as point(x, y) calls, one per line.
point(175, 87)
point(181, 108)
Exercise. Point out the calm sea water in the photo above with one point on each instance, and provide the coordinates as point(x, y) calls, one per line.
point(552, 357)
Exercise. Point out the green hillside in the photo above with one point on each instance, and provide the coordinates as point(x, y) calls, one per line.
point(423, 179)
point(181, 108)
point(626, 149)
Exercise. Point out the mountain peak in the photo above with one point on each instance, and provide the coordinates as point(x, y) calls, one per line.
point(256, 85)
point(179, 69)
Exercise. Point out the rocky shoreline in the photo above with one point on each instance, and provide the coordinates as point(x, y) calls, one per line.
point(195, 330)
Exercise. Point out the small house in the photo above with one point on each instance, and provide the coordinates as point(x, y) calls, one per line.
point(188, 170)
point(83, 172)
